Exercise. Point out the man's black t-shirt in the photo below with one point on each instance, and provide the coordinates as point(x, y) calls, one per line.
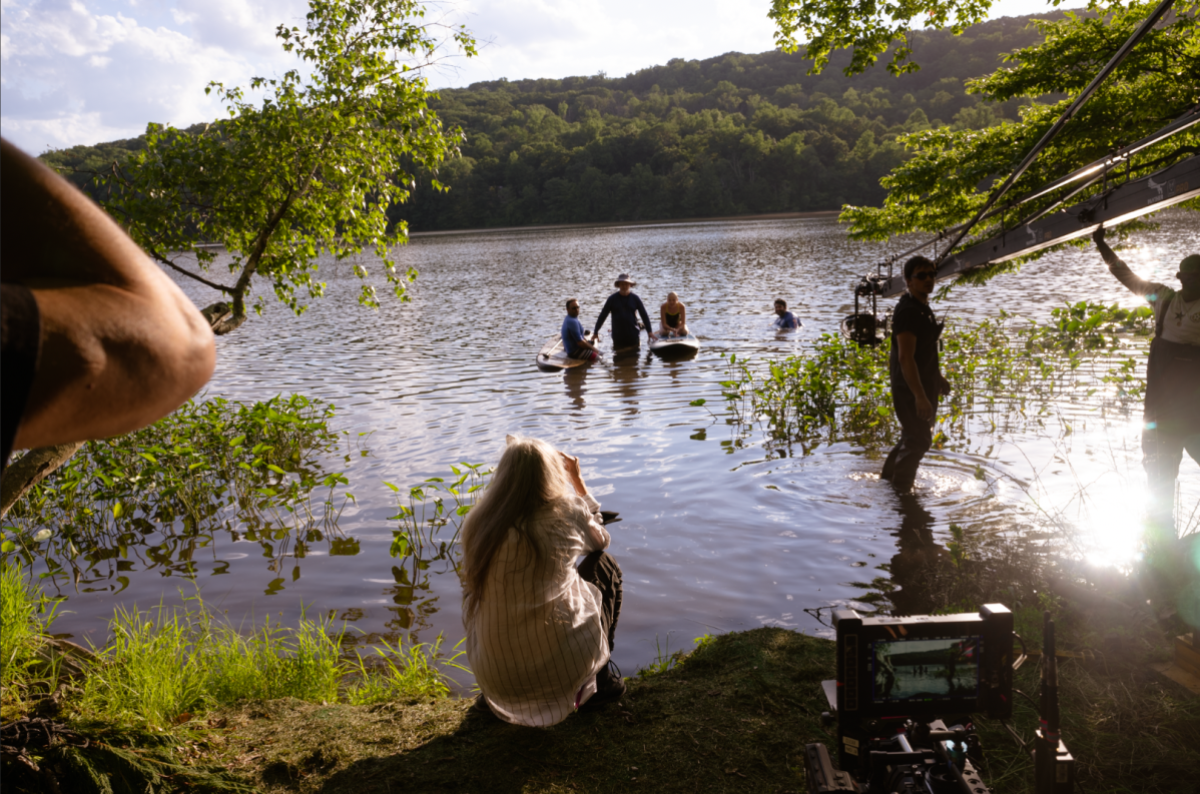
point(917, 318)
point(20, 342)
point(624, 310)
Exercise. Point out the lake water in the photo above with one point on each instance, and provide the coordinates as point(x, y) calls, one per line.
point(714, 537)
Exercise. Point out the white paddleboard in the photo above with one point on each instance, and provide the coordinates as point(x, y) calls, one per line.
point(553, 356)
point(675, 344)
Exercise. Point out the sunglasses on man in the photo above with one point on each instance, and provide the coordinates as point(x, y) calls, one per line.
point(924, 274)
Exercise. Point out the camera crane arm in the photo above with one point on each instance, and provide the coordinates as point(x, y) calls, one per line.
point(1133, 199)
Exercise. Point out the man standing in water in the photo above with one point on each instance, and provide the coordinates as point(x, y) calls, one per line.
point(624, 306)
point(916, 378)
point(784, 320)
point(574, 342)
point(1171, 418)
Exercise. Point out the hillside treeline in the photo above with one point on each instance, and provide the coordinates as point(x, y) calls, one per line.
point(731, 135)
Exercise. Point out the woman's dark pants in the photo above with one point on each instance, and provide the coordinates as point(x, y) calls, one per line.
point(602, 570)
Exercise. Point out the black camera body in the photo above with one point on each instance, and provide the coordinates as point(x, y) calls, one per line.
point(899, 681)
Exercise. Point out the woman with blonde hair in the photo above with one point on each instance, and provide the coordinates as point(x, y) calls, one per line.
point(539, 631)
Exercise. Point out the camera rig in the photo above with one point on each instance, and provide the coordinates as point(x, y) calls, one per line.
point(866, 326)
point(903, 697)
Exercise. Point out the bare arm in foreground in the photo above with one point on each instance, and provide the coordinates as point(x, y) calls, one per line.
point(121, 345)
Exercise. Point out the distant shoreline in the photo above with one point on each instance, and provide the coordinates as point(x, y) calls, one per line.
point(610, 224)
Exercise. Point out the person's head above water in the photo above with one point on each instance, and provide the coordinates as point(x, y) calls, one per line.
point(780, 306)
point(572, 307)
point(624, 283)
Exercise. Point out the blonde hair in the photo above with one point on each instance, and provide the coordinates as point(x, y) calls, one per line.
point(529, 477)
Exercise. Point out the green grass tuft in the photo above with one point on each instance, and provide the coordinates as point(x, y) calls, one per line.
point(401, 673)
point(25, 615)
point(163, 666)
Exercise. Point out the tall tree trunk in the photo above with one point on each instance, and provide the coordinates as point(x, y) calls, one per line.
point(31, 469)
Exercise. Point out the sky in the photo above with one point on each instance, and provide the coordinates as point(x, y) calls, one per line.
point(85, 71)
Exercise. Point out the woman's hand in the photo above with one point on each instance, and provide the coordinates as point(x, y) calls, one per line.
point(571, 467)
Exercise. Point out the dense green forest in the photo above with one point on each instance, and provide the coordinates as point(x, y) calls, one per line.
point(731, 135)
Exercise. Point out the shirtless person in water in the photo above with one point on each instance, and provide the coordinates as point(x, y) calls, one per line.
point(673, 317)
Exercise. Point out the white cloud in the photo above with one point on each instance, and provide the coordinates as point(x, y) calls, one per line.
point(78, 74)
point(84, 71)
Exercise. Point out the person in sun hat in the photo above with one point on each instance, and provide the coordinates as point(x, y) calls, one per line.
point(625, 307)
point(1171, 416)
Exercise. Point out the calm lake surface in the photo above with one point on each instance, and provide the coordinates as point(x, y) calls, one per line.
point(715, 536)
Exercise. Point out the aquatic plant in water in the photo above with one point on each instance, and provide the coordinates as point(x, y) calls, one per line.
point(422, 513)
point(164, 491)
point(426, 513)
point(1000, 370)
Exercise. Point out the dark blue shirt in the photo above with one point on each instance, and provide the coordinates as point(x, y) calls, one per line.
point(787, 320)
point(624, 310)
point(916, 318)
point(572, 333)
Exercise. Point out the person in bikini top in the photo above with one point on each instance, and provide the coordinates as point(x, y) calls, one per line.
point(673, 317)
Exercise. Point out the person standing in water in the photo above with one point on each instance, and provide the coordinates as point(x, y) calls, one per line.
point(625, 307)
point(1171, 417)
point(915, 375)
point(784, 320)
point(575, 343)
point(673, 316)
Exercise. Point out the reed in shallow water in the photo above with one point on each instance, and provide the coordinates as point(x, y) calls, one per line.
point(1002, 371)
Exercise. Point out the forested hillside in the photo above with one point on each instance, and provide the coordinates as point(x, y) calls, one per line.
point(736, 134)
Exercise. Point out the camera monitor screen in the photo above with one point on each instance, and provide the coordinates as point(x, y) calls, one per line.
point(925, 672)
point(924, 665)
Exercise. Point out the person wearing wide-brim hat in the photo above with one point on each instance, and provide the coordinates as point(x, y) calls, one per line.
point(1171, 417)
point(625, 306)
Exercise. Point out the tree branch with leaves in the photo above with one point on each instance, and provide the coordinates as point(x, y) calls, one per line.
point(310, 169)
point(948, 174)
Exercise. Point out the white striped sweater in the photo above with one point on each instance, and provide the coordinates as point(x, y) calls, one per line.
point(535, 643)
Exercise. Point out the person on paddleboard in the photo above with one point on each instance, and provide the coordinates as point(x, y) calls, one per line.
point(625, 306)
point(915, 374)
point(1171, 417)
point(574, 341)
point(672, 316)
point(784, 320)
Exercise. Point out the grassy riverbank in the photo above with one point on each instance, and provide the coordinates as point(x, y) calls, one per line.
point(732, 716)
